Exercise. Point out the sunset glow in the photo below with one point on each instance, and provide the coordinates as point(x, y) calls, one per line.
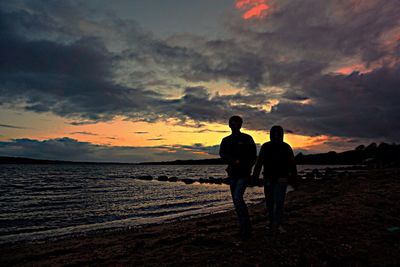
point(252, 8)
point(156, 81)
point(123, 120)
point(122, 133)
point(353, 68)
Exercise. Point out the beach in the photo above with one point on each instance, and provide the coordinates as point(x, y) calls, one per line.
point(351, 220)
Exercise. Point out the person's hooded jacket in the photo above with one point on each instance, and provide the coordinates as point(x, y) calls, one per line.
point(277, 158)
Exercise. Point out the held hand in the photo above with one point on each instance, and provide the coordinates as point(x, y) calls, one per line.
point(250, 181)
point(294, 181)
point(253, 180)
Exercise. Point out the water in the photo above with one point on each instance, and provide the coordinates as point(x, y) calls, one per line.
point(53, 201)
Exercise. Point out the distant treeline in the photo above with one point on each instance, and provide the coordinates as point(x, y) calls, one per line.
point(382, 155)
point(188, 162)
point(21, 160)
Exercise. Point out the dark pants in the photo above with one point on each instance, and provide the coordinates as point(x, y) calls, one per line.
point(238, 186)
point(275, 193)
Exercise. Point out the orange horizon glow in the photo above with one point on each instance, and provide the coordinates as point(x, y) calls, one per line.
point(120, 132)
point(164, 136)
point(252, 8)
point(177, 135)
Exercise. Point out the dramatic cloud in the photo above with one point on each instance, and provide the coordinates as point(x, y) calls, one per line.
point(302, 52)
point(202, 131)
point(199, 105)
point(73, 150)
point(85, 133)
point(292, 67)
point(72, 84)
point(11, 126)
point(71, 79)
point(156, 139)
point(252, 8)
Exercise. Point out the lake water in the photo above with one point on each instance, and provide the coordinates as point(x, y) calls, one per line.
point(54, 201)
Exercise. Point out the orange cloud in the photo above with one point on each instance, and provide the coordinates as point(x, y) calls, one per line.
point(252, 8)
point(356, 67)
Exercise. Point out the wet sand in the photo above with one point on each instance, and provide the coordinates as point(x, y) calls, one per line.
point(346, 221)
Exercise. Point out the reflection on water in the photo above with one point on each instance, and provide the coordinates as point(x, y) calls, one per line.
point(49, 199)
point(57, 200)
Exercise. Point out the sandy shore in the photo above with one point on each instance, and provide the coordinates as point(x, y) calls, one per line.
point(347, 221)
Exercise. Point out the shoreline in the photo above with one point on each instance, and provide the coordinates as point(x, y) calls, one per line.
point(71, 232)
point(343, 221)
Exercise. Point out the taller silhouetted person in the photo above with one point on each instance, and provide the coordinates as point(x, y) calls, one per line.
point(278, 161)
point(240, 152)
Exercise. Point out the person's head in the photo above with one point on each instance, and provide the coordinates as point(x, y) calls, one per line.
point(276, 134)
point(235, 123)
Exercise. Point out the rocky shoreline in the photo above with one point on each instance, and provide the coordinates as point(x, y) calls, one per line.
point(348, 220)
point(305, 175)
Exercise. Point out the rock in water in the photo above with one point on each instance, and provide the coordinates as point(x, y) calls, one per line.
point(188, 181)
point(145, 177)
point(162, 178)
point(172, 179)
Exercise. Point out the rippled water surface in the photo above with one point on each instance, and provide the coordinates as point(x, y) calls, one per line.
point(55, 200)
point(45, 201)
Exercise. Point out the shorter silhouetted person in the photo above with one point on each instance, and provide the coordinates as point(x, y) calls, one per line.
point(278, 161)
point(240, 152)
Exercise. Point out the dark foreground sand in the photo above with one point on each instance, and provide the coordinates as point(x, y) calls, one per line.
point(348, 221)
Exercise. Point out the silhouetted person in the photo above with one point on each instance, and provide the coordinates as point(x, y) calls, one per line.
point(240, 152)
point(278, 161)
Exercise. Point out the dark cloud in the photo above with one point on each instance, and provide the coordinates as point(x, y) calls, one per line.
point(112, 67)
point(360, 105)
point(67, 80)
point(299, 49)
point(199, 105)
point(314, 34)
point(202, 131)
point(85, 133)
point(71, 149)
point(71, 80)
point(11, 126)
point(141, 132)
point(210, 150)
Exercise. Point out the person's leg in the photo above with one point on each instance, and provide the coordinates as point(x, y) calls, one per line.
point(237, 189)
point(269, 199)
point(232, 185)
point(280, 194)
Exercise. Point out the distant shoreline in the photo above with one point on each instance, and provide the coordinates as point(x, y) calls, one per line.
point(375, 156)
point(23, 160)
point(216, 161)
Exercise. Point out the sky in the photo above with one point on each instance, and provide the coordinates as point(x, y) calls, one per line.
point(156, 80)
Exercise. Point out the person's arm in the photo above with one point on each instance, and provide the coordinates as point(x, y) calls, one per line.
point(224, 152)
point(253, 152)
point(249, 155)
point(292, 163)
point(259, 163)
point(292, 168)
